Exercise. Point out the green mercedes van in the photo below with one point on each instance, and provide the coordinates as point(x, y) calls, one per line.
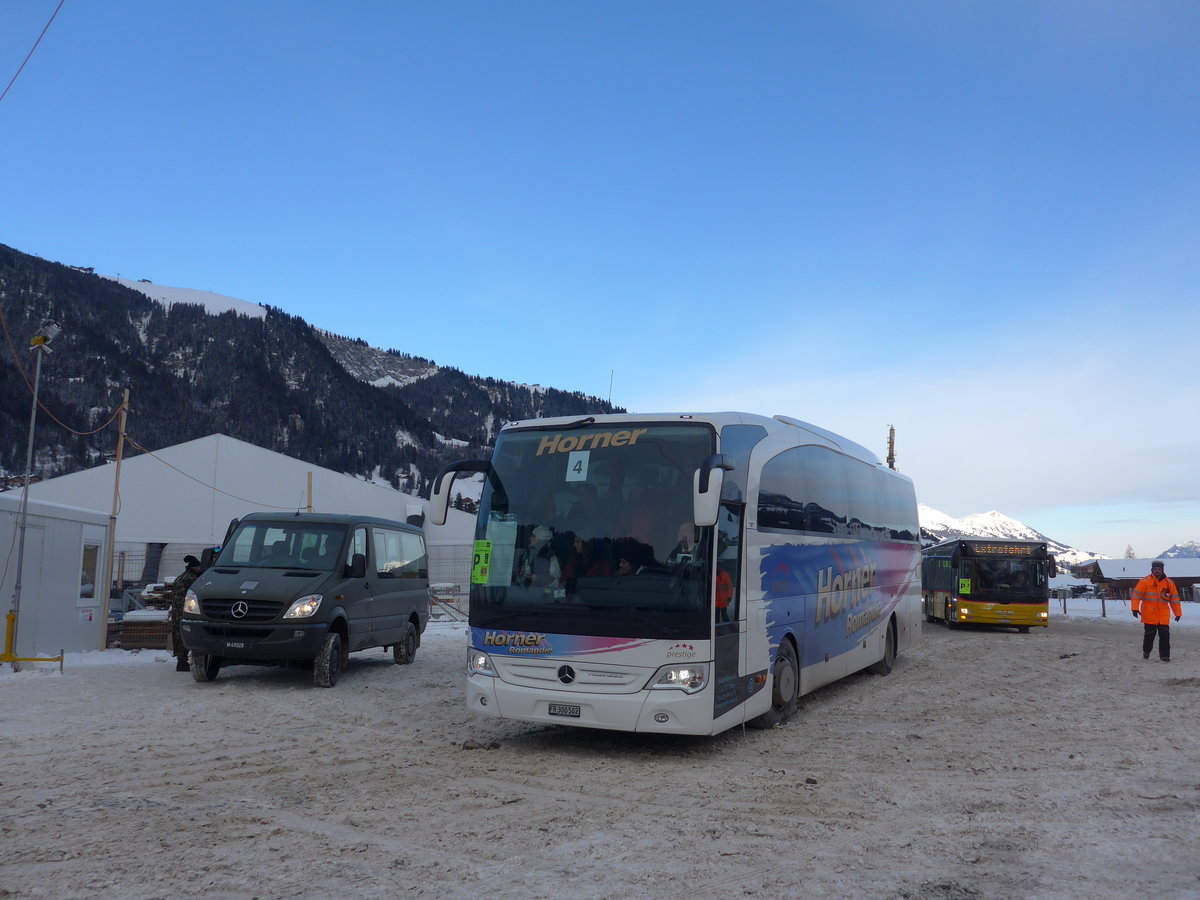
point(289, 588)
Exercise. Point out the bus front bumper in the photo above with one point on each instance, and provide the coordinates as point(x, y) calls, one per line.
point(1017, 615)
point(659, 711)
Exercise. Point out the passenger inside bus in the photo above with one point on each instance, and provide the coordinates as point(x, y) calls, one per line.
point(587, 559)
point(637, 518)
point(540, 565)
point(633, 557)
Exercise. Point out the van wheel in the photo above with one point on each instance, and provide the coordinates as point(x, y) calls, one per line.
point(328, 664)
point(884, 666)
point(785, 688)
point(203, 666)
point(404, 652)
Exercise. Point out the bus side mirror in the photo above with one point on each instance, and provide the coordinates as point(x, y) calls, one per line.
point(439, 496)
point(706, 488)
point(1053, 567)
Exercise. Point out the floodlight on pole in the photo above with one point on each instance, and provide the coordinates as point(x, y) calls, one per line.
point(40, 345)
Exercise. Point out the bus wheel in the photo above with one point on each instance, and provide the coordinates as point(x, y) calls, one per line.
point(785, 688)
point(884, 666)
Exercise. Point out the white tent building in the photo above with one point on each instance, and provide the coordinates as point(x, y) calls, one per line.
point(186, 495)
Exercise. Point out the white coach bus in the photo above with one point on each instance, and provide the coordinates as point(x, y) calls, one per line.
point(681, 573)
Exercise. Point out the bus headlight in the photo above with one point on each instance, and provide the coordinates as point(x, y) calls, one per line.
point(479, 663)
point(304, 607)
point(686, 677)
point(191, 603)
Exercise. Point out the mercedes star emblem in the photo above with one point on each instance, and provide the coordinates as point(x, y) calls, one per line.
point(240, 609)
point(566, 674)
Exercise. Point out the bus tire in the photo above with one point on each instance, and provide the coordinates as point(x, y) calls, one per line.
point(884, 666)
point(785, 688)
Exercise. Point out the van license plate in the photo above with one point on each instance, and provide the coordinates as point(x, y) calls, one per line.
point(235, 645)
point(570, 710)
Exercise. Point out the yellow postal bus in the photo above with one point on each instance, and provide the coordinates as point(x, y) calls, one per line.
point(976, 581)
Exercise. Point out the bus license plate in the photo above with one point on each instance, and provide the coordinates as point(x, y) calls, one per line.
point(570, 710)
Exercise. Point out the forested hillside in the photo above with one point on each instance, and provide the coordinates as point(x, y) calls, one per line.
point(272, 381)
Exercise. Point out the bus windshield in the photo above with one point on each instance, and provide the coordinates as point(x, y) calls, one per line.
point(1010, 579)
point(589, 531)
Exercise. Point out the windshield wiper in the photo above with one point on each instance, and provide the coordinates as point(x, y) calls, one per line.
point(589, 420)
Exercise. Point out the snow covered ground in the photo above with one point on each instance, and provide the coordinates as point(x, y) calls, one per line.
point(988, 764)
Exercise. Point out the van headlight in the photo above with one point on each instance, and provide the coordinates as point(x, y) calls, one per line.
point(689, 678)
point(304, 607)
point(479, 663)
point(191, 603)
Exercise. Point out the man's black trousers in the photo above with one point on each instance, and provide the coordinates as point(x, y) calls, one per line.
point(1164, 640)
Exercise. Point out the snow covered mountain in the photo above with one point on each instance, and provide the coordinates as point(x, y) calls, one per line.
point(1187, 550)
point(939, 526)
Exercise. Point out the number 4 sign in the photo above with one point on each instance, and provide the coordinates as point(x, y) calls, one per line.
point(577, 465)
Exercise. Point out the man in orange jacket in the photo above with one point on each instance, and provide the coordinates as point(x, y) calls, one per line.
point(1151, 598)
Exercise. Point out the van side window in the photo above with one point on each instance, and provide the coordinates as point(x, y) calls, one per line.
point(415, 565)
point(358, 544)
point(399, 554)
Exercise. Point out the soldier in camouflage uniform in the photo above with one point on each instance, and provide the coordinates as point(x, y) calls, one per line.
point(179, 590)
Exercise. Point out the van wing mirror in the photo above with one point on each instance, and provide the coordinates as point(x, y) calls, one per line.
point(439, 495)
point(706, 488)
point(357, 567)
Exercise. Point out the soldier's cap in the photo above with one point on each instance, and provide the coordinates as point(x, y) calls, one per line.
point(190, 561)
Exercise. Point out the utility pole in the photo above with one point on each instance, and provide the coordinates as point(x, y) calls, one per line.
point(110, 538)
point(40, 346)
point(891, 457)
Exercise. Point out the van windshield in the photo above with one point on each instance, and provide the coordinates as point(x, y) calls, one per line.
point(285, 545)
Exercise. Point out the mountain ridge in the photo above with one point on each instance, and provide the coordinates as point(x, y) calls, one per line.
point(937, 526)
point(197, 363)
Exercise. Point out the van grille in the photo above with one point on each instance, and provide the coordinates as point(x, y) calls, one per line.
point(257, 610)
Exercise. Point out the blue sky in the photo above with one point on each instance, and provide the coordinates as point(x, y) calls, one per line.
point(976, 221)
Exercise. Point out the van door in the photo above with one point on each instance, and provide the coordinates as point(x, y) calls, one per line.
point(416, 574)
point(402, 586)
point(357, 597)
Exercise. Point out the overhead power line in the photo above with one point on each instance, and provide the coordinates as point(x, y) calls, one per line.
point(21, 68)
